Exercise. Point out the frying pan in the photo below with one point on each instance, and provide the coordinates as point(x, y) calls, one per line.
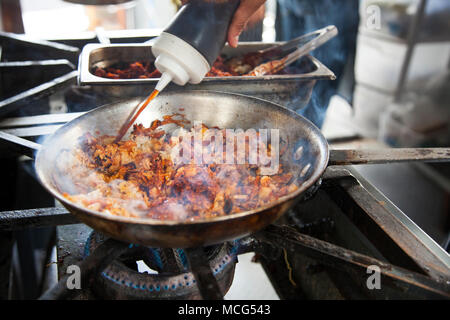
point(307, 155)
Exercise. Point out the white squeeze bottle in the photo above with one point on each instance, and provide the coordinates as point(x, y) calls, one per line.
point(188, 47)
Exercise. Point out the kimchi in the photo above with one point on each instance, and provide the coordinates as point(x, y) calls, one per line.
point(237, 66)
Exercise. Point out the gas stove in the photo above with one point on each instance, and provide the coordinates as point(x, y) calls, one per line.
point(345, 240)
point(322, 249)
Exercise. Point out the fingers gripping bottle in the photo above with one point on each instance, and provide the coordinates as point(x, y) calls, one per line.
point(187, 48)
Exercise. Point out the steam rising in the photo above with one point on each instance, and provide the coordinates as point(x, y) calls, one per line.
point(188, 174)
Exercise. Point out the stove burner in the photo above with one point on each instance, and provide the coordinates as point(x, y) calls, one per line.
point(173, 280)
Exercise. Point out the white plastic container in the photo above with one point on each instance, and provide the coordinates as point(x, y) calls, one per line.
point(368, 105)
point(378, 62)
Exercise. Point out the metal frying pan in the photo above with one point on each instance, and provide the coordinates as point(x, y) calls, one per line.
point(307, 154)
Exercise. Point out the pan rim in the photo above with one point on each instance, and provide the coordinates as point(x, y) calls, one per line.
point(167, 223)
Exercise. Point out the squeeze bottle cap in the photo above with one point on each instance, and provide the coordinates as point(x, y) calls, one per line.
point(179, 59)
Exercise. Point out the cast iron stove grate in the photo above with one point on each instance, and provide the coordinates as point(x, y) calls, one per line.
point(320, 249)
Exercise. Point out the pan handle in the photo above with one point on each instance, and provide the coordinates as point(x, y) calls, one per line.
point(389, 155)
point(23, 146)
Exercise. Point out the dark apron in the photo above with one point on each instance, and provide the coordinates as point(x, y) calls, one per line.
point(297, 17)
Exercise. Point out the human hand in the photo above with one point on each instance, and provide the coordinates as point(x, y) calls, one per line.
point(242, 15)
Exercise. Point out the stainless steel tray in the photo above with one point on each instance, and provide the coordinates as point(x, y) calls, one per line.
point(291, 90)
